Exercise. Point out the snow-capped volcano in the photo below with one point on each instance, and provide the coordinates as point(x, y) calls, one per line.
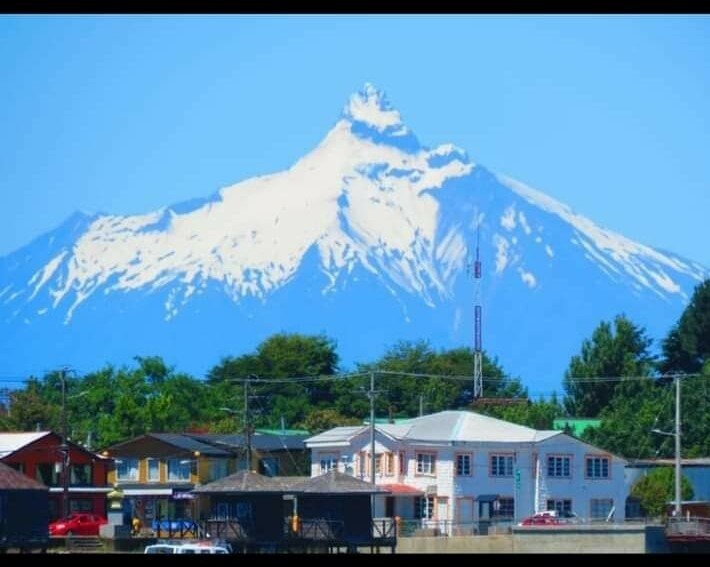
point(366, 239)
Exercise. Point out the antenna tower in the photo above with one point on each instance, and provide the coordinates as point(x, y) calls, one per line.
point(477, 358)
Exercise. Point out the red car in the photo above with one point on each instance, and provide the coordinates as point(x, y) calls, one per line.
point(550, 518)
point(77, 524)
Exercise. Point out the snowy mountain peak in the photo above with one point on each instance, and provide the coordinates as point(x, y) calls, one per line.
point(367, 233)
point(371, 108)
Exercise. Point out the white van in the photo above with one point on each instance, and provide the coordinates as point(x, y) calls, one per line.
point(192, 548)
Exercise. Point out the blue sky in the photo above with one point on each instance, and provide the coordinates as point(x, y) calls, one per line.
point(124, 114)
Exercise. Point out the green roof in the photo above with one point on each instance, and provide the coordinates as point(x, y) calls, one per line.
point(282, 431)
point(577, 424)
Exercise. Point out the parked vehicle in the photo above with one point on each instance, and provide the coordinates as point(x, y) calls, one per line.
point(77, 524)
point(550, 518)
point(198, 547)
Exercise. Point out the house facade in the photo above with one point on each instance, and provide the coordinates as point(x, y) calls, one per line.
point(462, 468)
point(157, 472)
point(38, 455)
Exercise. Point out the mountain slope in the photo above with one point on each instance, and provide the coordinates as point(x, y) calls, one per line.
point(366, 239)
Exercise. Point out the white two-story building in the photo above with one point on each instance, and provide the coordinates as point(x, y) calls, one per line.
point(460, 467)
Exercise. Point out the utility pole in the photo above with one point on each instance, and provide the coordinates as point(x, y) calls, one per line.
point(421, 405)
point(247, 431)
point(64, 447)
point(677, 446)
point(371, 395)
point(676, 434)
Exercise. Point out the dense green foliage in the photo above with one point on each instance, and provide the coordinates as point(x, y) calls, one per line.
point(656, 489)
point(621, 352)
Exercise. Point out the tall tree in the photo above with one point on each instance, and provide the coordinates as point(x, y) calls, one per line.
point(403, 392)
point(287, 357)
point(657, 488)
point(620, 352)
point(687, 346)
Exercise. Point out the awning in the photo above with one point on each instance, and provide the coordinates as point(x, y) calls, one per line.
point(83, 489)
point(402, 489)
point(147, 491)
point(487, 497)
point(183, 496)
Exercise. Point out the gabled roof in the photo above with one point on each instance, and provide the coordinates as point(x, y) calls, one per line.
point(11, 442)
point(444, 426)
point(339, 434)
point(189, 443)
point(244, 481)
point(467, 426)
point(10, 479)
point(179, 440)
point(260, 441)
point(335, 482)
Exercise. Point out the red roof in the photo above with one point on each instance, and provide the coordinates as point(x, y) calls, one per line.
point(401, 489)
point(10, 479)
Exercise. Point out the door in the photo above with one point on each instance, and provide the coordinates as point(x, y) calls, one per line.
point(485, 509)
point(442, 515)
point(464, 515)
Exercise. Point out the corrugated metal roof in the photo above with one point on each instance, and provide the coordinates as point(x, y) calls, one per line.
point(468, 426)
point(11, 442)
point(444, 426)
point(188, 443)
point(339, 434)
point(259, 441)
point(10, 479)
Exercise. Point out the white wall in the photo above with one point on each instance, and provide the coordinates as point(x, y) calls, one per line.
point(579, 489)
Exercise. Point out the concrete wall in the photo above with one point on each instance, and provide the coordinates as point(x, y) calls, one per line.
point(618, 539)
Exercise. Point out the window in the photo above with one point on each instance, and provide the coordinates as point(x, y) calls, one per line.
point(597, 467)
point(599, 508)
point(153, 470)
point(558, 466)
point(562, 506)
point(463, 465)
point(48, 473)
point(217, 469)
point(402, 462)
point(269, 466)
point(426, 463)
point(80, 475)
point(362, 463)
point(126, 469)
point(179, 470)
point(328, 462)
point(424, 508)
point(378, 464)
point(504, 508)
point(501, 465)
point(347, 465)
point(389, 464)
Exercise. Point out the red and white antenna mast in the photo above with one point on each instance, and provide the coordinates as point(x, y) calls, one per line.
point(477, 357)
